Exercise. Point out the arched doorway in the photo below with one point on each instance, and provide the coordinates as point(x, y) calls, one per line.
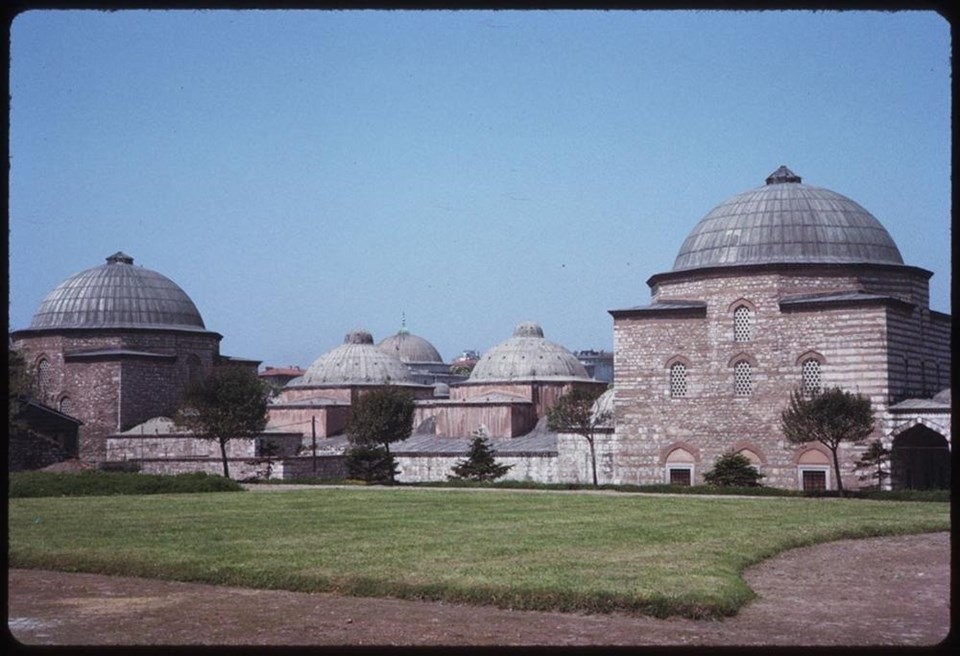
point(920, 460)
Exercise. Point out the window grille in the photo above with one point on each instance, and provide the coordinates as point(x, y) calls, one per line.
point(742, 379)
point(811, 381)
point(65, 405)
point(44, 375)
point(678, 380)
point(742, 324)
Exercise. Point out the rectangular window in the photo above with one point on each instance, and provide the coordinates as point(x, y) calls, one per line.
point(814, 481)
point(679, 476)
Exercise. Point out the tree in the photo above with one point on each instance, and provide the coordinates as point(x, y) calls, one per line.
point(874, 461)
point(573, 412)
point(20, 388)
point(379, 418)
point(229, 403)
point(371, 463)
point(480, 464)
point(733, 470)
point(831, 417)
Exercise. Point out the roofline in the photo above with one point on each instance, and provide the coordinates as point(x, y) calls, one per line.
point(542, 379)
point(670, 276)
point(347, 385)
point(35, 332)
point(26, 400)
point(694, 310)
point(117, 354)
point(812, 302)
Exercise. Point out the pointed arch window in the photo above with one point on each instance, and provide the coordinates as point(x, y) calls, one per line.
point(742, 324)
point(64, 404)
point(742, 378)
point(811, 380)
point(44, 375)
point(678, 380)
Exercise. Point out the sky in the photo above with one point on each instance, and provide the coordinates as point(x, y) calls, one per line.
point(301, 174)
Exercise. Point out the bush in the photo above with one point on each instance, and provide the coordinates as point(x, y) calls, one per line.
point(733, 470)
point(480, 464)
point(100, 483)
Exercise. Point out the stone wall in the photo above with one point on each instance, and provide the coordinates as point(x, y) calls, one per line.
point(113, 392)
point(711, 419)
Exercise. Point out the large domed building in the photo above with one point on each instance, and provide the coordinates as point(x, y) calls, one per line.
point(786, 286)
point(318, 402)
point(510, 389)
point(115, 345)
point(420, 356)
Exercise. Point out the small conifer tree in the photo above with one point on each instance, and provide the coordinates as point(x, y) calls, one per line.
point(874, 462)
point(480, 464)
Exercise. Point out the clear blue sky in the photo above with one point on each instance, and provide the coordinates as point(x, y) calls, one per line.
point(300, 174)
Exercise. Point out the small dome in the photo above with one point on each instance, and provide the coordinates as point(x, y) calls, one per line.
point(410, 348)
point(604, 405)
point(525, 356)
point(355, 362)
point(117, 295)
point(786, 221)
point(441, 390)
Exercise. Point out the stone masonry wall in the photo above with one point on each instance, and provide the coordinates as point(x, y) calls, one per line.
point(711, 419)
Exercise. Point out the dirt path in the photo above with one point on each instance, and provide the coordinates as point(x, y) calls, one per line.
point(882, 591)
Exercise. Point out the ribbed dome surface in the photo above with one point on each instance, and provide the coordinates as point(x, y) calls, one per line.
point(604, 406)
point(117, 295)
point(355, 362)
point(786, 221)
point(527, 355)
point(410, 348)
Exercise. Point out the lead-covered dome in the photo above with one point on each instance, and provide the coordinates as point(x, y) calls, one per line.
point(117, 295)
point(527, 356)
point(410, 348)
point(355, 362)
point(786, 221)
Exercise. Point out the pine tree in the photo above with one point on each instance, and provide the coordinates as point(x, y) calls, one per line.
point(480, 464)
point(874, 461)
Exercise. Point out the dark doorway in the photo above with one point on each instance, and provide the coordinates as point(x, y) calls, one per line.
point(814, 481)
point(920, 460)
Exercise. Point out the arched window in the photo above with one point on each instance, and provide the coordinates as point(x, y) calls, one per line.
point(742, 378)
point(811, 382)
point(742, 324)
point(680, 464)
point(813, 471)
point(678, 380)
point(44, 376)
point(64, 404)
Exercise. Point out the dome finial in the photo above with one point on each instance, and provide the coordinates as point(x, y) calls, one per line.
point(403, 323)
point(781, 175)
point(119, 258)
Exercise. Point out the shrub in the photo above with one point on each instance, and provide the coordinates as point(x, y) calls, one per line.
point(733, 470)
point(100, 483)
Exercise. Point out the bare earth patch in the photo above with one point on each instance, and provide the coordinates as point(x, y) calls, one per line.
point(881, 591)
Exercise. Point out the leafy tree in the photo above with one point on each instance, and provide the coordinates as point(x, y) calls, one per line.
point(371, 463)
point(229, 403)
point(480, 464)
point(831, 417)
point(379, 418)
point(573, 412)
point(733, 470)
point(21, 386)
point(874, 461)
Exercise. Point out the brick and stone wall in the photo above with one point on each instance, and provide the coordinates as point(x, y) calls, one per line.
point(852, 342)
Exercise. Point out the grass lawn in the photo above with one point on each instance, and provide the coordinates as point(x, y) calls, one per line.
point(571, 552)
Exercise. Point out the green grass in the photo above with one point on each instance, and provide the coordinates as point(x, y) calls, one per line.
point(569, 552)
point(99, 483)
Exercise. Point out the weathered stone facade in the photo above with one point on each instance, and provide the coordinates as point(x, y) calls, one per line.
point(115, 379)
point(710, 364)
